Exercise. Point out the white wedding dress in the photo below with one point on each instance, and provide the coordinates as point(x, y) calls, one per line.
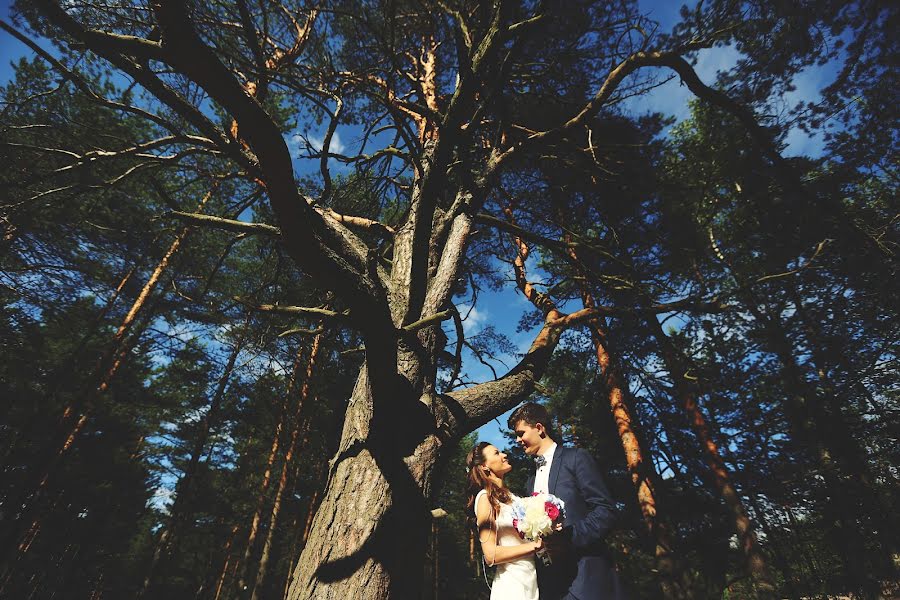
point(514, 580)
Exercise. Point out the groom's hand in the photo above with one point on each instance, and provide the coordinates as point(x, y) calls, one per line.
point(560, 542)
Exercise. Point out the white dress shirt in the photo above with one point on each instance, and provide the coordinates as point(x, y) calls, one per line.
point(542, 476)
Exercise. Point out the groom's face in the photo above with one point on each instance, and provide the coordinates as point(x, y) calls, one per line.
point(529, 437)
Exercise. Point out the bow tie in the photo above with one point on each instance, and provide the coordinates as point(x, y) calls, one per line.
point(540, 461)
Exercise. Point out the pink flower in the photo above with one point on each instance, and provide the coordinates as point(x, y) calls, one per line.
point(552, 511)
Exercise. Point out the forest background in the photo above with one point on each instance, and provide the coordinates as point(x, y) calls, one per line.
point(675, 227)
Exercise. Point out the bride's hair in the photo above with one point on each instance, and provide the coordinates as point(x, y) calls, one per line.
point(478, 480)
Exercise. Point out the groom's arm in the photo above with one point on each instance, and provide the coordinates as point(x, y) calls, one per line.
point(601, 508)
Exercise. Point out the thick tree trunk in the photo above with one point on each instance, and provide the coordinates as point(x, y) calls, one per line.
point(687, 396)
point(372, 522)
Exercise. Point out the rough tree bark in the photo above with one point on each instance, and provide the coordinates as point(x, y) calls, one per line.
point(368, 535)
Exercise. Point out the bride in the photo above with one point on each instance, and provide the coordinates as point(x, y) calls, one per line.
point(491, 504)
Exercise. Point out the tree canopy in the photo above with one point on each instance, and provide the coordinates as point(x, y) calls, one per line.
point(239, 238)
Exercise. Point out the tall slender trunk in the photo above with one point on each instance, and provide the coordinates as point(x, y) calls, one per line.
point(845, 446)
point(300, 422)
point(812, 428)
point(267, 474)
point(61, 376)
point(216, 579)
point(672, 580)
point(678, 369)
point(77, 414)
point(300, 540)
point(222, 575)
point(181, 508)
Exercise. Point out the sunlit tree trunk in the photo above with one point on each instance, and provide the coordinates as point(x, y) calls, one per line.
point(685, 389)
point(300, 422)
point(267, 474)
point(640, 467)
point(212, 586)
point(77, 414)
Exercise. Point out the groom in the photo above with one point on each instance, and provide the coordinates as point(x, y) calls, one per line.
point(582, 568)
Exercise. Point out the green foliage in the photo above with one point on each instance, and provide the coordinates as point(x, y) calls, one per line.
point(795, 372)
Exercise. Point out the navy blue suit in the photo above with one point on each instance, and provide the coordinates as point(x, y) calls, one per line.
point(585, 571)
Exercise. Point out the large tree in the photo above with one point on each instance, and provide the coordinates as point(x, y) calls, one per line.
point(455, 105)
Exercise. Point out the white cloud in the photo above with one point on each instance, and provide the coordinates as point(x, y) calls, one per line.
point(473, 319)
point(337, 146)
point(300, 143)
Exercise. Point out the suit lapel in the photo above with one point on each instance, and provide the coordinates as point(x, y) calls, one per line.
point(529, 485)
point(554, 469)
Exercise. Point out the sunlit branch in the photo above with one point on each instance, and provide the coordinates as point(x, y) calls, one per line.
point(227, 224)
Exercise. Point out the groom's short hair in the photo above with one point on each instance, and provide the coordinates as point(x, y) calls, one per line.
point(532, 413)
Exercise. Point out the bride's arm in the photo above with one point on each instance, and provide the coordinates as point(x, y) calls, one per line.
point(495, 554)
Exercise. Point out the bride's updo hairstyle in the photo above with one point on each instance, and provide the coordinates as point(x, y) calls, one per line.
point(478, 479)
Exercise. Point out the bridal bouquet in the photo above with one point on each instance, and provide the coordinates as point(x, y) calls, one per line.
point(537, 516)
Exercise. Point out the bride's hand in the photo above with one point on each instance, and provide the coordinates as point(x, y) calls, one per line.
point(538, 544)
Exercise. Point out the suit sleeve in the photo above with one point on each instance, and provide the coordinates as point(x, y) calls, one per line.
point(601, 509)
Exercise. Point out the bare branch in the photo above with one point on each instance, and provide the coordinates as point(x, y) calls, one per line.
point(429, 321)
point(292, 310)
point(227, 224)
point(290, 332)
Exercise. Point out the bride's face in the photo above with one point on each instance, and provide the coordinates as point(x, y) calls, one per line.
point(496, 461)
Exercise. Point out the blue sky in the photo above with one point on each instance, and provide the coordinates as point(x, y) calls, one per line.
point(503, 309)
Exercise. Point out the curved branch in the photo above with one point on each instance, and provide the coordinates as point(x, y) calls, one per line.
point(491, 399)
